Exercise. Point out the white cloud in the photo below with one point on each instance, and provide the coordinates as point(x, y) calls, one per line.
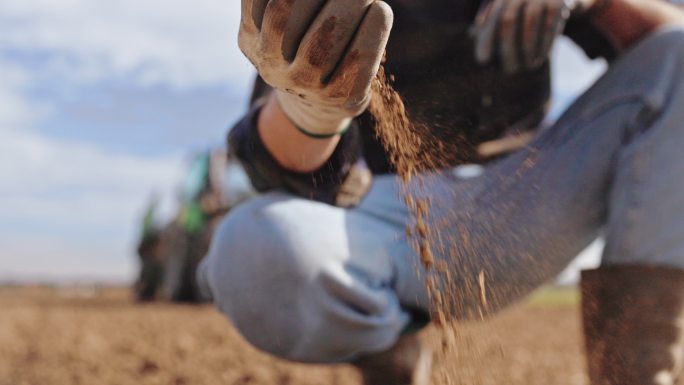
point(15, 110)
point(587, 260)
point(70, 208)
point(572, 74)
point(174, 42)
point(88, 183)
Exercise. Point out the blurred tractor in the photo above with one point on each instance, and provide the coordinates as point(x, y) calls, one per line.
point(150, 253)
point(214, 183)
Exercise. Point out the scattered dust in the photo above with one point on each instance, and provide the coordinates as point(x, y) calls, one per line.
point(412, 149)
point(415, 150)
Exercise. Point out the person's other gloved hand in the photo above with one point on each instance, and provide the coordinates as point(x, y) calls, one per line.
point(522, 32)
point(320, 56)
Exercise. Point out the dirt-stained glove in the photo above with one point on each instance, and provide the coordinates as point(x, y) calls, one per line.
point(319, 55)
point(522, 32)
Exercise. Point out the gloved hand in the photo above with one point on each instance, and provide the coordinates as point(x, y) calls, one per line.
point(522, 31)
point(320, 56)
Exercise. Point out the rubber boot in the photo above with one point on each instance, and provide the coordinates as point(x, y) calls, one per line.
point(634, 325)
point(409, 362)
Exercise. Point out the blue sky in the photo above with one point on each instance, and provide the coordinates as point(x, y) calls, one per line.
point(100, 102)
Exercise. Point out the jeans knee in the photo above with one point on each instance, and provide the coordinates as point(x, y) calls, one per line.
point(672, 36)
point(667, 41)
point(254, 274)
point(288, 290)
point(652, 70)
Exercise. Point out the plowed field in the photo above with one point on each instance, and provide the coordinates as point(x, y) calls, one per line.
point(58, 337)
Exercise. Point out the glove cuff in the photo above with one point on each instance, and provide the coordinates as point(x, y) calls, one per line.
point(313, 120)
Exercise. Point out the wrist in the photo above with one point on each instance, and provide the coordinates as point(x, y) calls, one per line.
point(292, 149)
point(589, 8)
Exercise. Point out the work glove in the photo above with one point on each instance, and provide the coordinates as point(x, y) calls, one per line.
point(320, 56)
point(522, 32)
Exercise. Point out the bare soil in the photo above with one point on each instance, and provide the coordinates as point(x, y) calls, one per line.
point(58, 337)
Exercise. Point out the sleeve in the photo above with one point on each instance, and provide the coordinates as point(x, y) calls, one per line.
point(267, 174)
point(595, 42)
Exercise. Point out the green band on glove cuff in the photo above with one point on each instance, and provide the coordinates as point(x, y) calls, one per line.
point(321, 136)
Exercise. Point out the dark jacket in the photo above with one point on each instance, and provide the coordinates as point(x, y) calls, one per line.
point(431, 55)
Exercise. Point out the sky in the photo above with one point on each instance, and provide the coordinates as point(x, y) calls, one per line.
point(100, 104)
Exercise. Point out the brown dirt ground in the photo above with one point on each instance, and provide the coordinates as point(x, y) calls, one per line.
point(59, 337)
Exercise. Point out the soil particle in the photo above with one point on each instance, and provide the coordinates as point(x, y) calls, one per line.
point(148, 367)
point(244, 380)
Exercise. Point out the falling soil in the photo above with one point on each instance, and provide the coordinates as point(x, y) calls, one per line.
point(414, 151)
point(438, 231)
point(408, 147)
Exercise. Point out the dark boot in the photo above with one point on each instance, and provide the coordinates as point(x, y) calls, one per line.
point(634, 325)
point(409, 362)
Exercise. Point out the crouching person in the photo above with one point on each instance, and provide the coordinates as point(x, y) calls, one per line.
point(318, 268)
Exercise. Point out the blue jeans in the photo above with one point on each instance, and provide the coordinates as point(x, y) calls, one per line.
point(310, 282)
